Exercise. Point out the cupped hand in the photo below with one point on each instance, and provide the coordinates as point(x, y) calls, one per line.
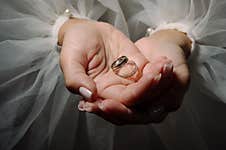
point(88, 50)
point(168, 93)
point(177, 47)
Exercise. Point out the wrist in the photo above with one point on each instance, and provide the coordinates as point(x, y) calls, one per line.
point(70, 23)
point(173, 37)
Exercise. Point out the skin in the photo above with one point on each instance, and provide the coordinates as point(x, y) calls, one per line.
point(88, 50)
point(170, 90)
point(176, 46)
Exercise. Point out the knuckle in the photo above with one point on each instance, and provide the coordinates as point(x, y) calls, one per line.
point(105, 25)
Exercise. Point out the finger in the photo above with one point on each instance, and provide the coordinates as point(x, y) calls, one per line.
point(146, 81)
point(173, 98)
point(109, 110)
point(117, 113)
point(151, 77)
point(92, 107)
point(112, 110)
point(73, 62)
point(87, 106)
point(164, 84)
point(165, 81)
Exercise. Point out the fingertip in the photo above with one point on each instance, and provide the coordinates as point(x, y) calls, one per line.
point(150, 75)
point(86, 93)
point(106, 105)
point(81, 105)
point(167, 69)
point(101, 105)
point(82, 85)
point(87, 83)
point(90, 107)
point(113, 107)
point(157, 78)
point(159, 69)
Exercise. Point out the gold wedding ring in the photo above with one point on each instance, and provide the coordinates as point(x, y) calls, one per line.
point(124, 67)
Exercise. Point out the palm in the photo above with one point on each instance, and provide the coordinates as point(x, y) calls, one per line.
point(96, 47)
point(107, 82)
point(89, 48)
point(151, 49)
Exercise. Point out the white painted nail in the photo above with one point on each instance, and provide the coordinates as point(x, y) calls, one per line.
point(88, 108)
point(158, 77)
point(129, 111)
point(87, 94)
point(100, 105)
point(81, 106)
point(167, 68)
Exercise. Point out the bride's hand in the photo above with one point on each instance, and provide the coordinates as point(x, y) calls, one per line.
point(167, 95)
point(88, 50)
point(177, 47)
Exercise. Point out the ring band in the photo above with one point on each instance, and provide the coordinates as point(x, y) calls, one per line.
point(124, 67)
point(119, 62)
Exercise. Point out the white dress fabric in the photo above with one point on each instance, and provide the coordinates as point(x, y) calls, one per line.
point(37, 112)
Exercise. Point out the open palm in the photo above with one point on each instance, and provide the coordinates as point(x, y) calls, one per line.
point(88, 50)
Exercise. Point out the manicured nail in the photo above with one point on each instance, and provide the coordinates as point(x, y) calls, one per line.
point(88, 108)
point(100, 105)
point(167, 68)
point(87, 94)
point(158, 77)
point(129, 111)
point(81, 106)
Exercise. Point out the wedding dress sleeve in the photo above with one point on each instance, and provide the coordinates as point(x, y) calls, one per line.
point(33, 97)
point(199, 123)
point(204, 22)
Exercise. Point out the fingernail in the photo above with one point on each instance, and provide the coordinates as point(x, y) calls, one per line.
point(88, 108)
point(100, 105)
point(87, 94)
point(81, 106)
point(129, 111)
point(158, 77)
point(167, 68)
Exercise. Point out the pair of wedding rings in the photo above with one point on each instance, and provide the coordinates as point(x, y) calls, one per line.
point(123, 67)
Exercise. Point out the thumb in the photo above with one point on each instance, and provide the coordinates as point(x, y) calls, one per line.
point(73, 64)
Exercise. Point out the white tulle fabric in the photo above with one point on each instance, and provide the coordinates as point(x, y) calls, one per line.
point(204, 21)
point(37, 112)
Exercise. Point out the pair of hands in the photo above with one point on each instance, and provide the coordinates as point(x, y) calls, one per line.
point(90, 47)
